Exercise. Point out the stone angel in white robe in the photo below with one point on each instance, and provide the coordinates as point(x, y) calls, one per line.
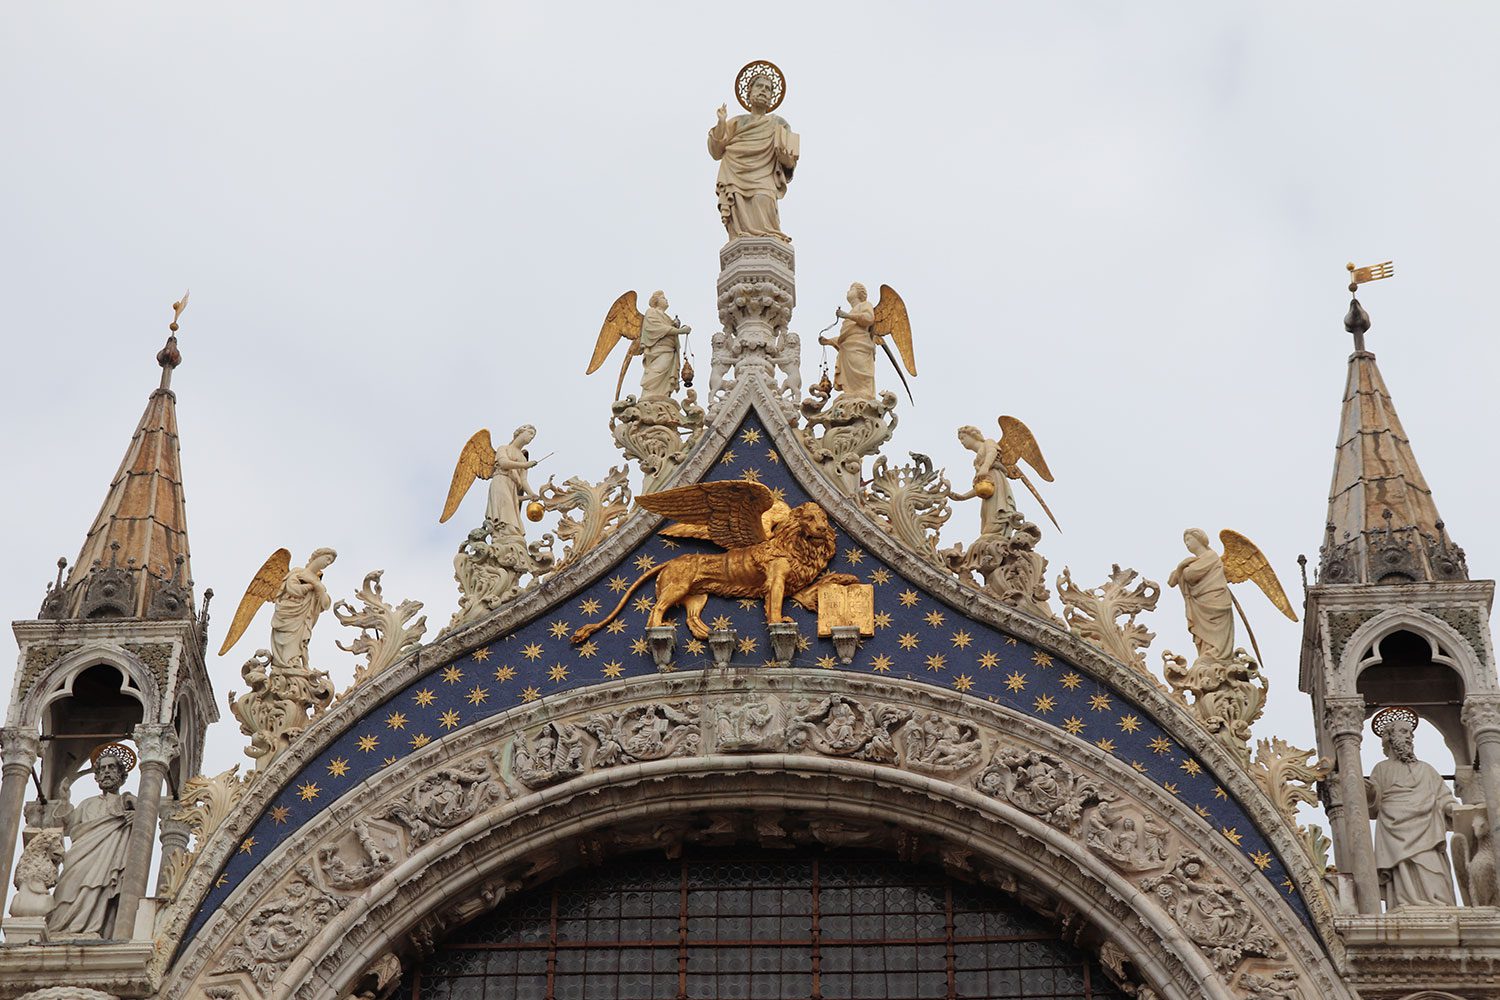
point(654, 338)
point(299, 598)
point(505, 467)
point(1204, 578)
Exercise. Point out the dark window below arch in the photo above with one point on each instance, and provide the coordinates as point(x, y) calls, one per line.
point(757, 927)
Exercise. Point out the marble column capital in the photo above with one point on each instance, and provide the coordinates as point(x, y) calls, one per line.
point(19, 748)
point(156, 743)
point(1345, 717)
point(1481, 714)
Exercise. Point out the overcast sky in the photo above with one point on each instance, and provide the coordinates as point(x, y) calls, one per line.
point(1124, 223)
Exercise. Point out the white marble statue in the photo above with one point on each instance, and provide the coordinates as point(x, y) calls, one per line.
point(505, 467)
point(1413, 809)
point(661, 349)
point(301, 599)
point(98, 830)
point(854, 374)
point(1205, 594)
point(757, 153)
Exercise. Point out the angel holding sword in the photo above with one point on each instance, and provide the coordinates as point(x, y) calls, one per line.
point(1204, 578)
point(863, 327)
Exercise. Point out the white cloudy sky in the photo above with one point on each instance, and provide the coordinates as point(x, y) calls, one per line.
point(1124, 223)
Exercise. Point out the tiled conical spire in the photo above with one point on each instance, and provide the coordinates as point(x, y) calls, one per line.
point(135, 561)
point(1383, 526)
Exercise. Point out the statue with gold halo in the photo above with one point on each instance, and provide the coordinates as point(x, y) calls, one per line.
point(1413, 809)
point(773, 551)
point(505, 467)
point(98, 831)
point(757, 153)
point(654, 338)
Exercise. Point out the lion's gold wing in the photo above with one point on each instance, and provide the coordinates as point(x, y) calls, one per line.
point(263, 588)
point(773, 516)
point(1017, 443)
point(622, 320)
point(476, 461)
point(891, 319)
point(730, 512)
point(1243, 561)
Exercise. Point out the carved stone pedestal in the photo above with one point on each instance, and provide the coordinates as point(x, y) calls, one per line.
point(757, 291)
point(852, 430)
point(657, 434)
point(663, 641)
point(783, 642)
point(24, 930)
point(721, 643)
point(845, 642)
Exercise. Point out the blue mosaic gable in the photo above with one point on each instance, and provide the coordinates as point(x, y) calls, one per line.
point(918, 637)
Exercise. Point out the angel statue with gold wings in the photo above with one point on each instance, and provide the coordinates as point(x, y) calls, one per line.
point(1204, 578)
point(864, 326)
point(653, 337)
point(299, 597)
point(995, 464)
point(505, 467)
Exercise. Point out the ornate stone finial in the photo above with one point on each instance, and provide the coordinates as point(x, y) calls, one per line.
point(169, 357)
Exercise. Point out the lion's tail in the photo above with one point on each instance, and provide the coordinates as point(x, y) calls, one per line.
point(587, 630)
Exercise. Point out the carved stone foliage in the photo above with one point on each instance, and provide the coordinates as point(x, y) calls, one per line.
point(357, 862)
point(554, 754)
point(282, 701)
point(277, 931)
point(204, 804)
point(599, 507)
point(489, 568)
point(656, 433)
point(1007, 561)
point(851, 431)
point(911, 501)
point(386, 633)
point(1038, 783)
point(756, 293)
point(1287, 775)
point(1211, 913)
point(447, 797)
point(1227, 697)
point(1130, 838)
point(645, 732)
point(1094, 613)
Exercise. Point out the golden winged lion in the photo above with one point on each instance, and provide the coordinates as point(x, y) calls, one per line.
point(773, 552)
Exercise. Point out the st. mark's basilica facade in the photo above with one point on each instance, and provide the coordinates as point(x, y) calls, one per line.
point(736, 721)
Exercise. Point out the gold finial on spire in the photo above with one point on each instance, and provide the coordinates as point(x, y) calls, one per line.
point(169, 357)
point(1356, 320)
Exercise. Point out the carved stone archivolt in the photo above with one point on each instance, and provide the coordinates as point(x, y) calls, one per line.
point(1041, 784)
point(1212, 913)
point(449, 796)
point(277, 931)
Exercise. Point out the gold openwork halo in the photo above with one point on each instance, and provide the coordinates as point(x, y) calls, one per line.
point(751, 70)
point(1383, 719)
point(118, 751)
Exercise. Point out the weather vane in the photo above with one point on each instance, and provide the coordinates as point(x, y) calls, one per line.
point(1357, 321)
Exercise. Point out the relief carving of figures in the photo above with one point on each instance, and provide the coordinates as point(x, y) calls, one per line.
point(600, 508)
point(837, 726)
point(911, 501)
point(386, 633)
point(1094, 614)
point(1131, 839)
point(554, 754)
point(1211, 913)
point(36, 873)
point(888, 720)
point(1040, 784)
point(645, 732)
point(447, 797)
point(286, 693)
point(277, 931)
point(756, 152)
point(98, 830)
point(374, 858)
point(745, 724)
point(1413, 809)
point(1280, 985)
point(935, 745)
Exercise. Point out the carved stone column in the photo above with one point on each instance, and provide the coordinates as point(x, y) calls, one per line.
point(18, 752)
point(1481, 716)
point(1346, 722)
point(158, 747)
point(174, 839)
point(757, 290)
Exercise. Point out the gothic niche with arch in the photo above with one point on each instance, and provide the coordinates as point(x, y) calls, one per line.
point(759, 925)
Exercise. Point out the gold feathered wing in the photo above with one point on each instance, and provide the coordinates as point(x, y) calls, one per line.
point(622, 320)
point(773, 516)
point(1017, 442)
point(268, 580)
point(1244, 561)
point(891, 319)
point(476, 461)
point(730, 511)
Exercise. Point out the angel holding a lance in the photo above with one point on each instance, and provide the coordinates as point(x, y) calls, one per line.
point(995, 464)
point(1204, 578)
point(864, 326)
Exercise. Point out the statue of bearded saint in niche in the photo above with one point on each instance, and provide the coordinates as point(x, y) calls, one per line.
point(1413, 809)
point(757, 153)
point(98, 829)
